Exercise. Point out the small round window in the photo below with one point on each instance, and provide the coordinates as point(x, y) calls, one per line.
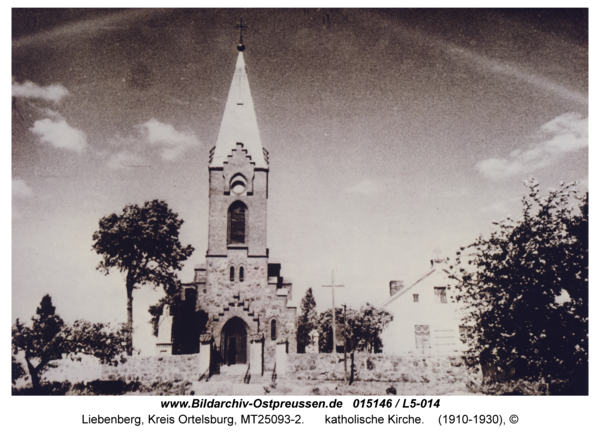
point(238, 187)
point(238, 184)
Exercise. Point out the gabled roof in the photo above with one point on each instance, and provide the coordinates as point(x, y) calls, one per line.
point(436, 266)
point(239, 123)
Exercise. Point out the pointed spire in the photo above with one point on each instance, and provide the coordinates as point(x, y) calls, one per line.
point(239, 123)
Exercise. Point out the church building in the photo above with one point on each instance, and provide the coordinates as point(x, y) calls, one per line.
point(246, 299)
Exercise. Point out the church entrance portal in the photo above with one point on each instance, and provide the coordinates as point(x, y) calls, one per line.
point(234, 342)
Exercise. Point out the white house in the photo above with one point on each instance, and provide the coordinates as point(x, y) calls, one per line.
point(426, 320)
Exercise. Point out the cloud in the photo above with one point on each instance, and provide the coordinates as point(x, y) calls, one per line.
point(173, 143)
point(52, 114)
point(365, 187)
point(60, 134)
point(28, 89)
point(564, 134)
point(125, 159)
point(20, 189)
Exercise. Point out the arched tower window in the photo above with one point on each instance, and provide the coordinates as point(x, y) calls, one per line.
point(236, 223)
point(232, 274)
point(242, 274)
point(273, 329)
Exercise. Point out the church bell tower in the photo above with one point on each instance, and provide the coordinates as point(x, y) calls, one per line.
point(238, 180)
point(245, 298)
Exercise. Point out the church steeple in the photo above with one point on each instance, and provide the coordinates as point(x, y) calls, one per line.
point(245, 297)
point(239, 172)
point(239, 125)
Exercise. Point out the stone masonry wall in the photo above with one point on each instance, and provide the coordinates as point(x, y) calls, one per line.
point(260, 299)
point(220, 290)
point(256, 217)
point(154, 369)
point(304, 367)
point(378, 367)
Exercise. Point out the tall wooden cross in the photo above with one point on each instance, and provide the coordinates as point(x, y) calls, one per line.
point(241, 27)
point(333, 286)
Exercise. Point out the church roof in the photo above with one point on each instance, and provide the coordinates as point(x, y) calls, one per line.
point(239, 123)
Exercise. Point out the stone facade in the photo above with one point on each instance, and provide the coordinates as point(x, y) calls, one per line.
point(254, 197)
point(259, 300)
point(245, 297)
point(154, 369)
point(323, 367)
point(378, 367)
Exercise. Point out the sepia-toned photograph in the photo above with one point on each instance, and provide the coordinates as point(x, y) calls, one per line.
point(300, 202)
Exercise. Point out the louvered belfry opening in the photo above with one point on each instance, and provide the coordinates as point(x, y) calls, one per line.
point(236, 224)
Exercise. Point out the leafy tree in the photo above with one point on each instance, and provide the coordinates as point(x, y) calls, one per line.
point(17, 370)
point(48, 339)
point(362, 330)
point(525, 289)
point(143, 243)
point(308, 320)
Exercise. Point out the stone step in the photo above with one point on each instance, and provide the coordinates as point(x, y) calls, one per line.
point(235, 369)
point(229, 388)
point(228, 379)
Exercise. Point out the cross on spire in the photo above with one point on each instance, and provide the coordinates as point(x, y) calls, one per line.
point(241, 26)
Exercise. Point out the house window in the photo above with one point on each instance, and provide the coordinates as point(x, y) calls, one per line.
point(236, 224)
point(422, 337)
point(273, 329)
point(242, 274)
point(231, 274)
point(440, 295)
point(415, 298)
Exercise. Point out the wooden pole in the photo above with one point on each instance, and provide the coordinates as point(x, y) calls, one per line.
point(344, 335)
point(333, 286)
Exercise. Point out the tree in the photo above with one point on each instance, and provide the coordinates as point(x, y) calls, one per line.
point(525, 290)
point(48, 339)
point(17, 370)
point(308, 320)
point(143, 243)
point(362, 330)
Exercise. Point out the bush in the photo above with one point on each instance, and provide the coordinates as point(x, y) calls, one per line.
point(47, 389)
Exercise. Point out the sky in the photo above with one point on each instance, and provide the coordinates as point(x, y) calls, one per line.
point(395, 136)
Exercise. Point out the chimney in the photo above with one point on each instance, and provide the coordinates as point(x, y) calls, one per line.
point(438, 261)
point(395, 287)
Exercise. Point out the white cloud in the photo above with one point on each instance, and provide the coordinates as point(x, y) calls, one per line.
point(28, 89)
point(52, 114)
point(173, 143)
point(20, 189)
point(60, 134)
point(124, 159)
point(365, 187)
point(564, 134)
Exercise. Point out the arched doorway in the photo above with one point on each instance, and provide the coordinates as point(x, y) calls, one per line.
point(234, 341)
